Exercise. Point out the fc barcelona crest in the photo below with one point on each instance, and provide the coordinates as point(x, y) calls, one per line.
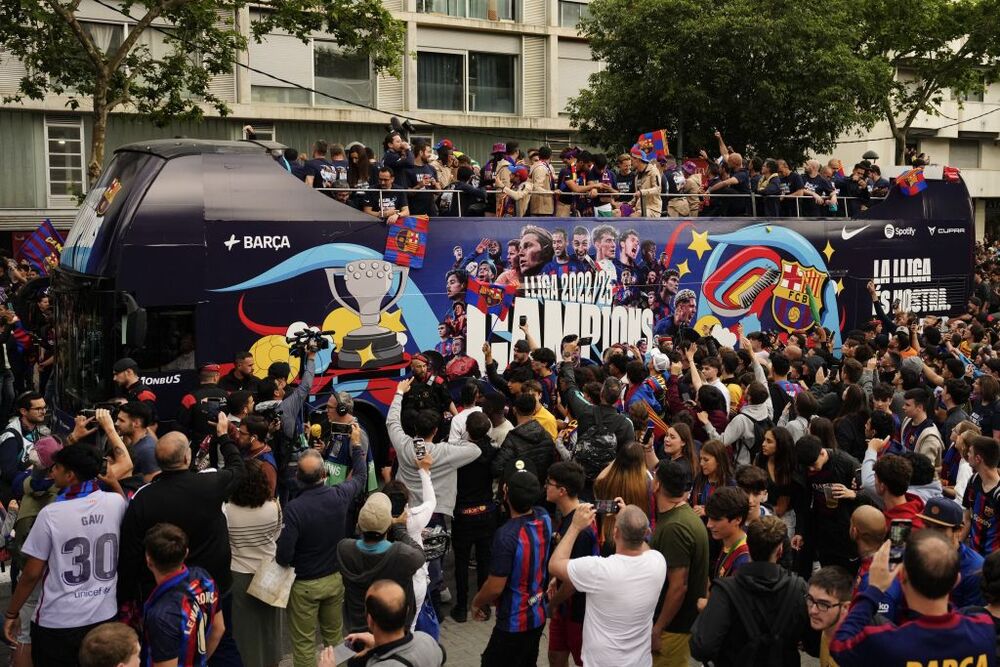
point(491, 295)
point(790, 302)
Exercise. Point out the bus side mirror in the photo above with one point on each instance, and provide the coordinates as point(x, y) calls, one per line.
point(135, 328)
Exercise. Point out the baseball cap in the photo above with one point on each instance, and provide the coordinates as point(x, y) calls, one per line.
point(376, 514)
point(522, 346)
point(661, 362)
point(444, 143)
point(499, 147)
point(943, 512)
point(689, 167)
point(419, 357)
point(125, 364)
point(523, 489)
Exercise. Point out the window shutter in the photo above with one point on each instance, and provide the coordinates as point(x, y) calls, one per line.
point(223, 86)
point(284, 56)
point(534, 11)
point(533, 76)
point(11, 71)
point(390, 92)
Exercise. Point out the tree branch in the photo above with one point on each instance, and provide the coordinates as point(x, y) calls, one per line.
point(69, 17)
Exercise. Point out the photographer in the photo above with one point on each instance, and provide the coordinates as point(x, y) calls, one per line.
point(333, 439)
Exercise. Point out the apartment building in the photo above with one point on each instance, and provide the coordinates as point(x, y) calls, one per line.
point(476, 72)
point(965, 135)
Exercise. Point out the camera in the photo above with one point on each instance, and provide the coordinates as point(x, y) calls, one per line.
point(269, 410)
point(91, 413)
point(306, 340)
point(213, 406)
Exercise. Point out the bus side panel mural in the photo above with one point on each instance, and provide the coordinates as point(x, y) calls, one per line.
point(613, 281)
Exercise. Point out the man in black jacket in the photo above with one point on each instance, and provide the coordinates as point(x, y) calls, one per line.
point(758, 616)
point(191, 501)
point(586, 413)
point(822, 526)
point(475, 514)
point(315, 522)
point(528, 441)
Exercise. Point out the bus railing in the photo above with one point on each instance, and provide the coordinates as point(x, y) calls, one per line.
point(756, 200)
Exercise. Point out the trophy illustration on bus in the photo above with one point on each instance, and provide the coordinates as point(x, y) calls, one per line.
point(368, 281)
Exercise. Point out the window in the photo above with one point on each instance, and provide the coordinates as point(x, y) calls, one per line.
point(442, 82)
point(279, 95)
point(491, 83)
point(64, 159)
point(106, 36)
point(964, 153)
point(342, 76)
point(262, 131)
point(170, 342)
point(492, 10)
point(571, 13)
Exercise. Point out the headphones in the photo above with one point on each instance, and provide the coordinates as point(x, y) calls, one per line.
point(343, 407)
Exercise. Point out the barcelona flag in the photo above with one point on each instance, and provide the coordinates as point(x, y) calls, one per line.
point(489, 298)
point(654, 142)
point(407, 241)
point(43, 247)
point(912, 182)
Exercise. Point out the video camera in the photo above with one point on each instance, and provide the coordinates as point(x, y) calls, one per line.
point(307, 339)
point(91, 413)
point(269, 410)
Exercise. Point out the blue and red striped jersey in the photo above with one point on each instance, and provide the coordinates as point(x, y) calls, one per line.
point(950, 639)
point(521, 554)
point(984, 533)
point(177, 619)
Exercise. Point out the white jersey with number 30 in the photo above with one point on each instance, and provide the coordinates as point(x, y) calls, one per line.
point(78, 539)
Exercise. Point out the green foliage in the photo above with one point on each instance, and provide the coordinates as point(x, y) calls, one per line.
point(783, 79)
point(939, 45)
point(173, 78)
point(779, 78)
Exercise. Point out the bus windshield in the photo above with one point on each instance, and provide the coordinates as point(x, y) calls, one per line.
point(85, 345)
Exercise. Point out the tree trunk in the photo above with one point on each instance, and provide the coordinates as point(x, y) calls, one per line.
point(900, 136)
point(99, 136)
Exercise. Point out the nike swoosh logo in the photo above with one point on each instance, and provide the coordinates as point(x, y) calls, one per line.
point(846, 235)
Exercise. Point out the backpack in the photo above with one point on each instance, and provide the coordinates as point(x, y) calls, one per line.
point(765, 647)
point(760, 428)
point(595, 449)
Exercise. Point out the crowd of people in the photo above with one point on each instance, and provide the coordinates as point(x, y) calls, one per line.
point(421, 179)
point(688, 500)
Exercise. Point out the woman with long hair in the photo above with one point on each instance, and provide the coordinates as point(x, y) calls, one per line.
point(777, 457)
point(849, 426)
point(955, 469)
point(627, 478)
point(358, 167)
point(678, 445)
point(254, 519)
point(708, 398)
point(798, 413)
point(715, 470)
point(822, 428)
